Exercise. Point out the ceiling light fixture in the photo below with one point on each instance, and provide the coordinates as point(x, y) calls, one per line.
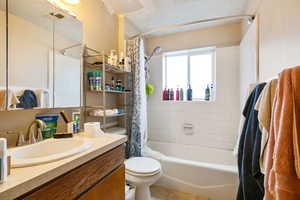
point(73, 2)
point(63, 5)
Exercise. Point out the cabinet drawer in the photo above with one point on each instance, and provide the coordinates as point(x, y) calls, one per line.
point(72, 184)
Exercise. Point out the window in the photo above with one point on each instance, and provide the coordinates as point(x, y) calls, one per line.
point(194, 67)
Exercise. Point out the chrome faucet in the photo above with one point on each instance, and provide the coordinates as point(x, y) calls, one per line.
point(34, 133)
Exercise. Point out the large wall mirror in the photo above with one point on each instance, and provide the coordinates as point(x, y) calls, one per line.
point(2, 55)
point(44, 56)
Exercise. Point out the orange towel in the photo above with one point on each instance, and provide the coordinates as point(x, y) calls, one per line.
point(282, 180)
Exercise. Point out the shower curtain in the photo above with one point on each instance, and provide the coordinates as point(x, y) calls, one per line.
point(138, 135)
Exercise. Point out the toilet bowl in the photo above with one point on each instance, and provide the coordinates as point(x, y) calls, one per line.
point(142, 172)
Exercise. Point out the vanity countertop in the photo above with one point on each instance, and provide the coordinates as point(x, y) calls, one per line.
point(23, 180)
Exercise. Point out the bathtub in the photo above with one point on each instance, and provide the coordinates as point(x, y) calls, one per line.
point(208, 172)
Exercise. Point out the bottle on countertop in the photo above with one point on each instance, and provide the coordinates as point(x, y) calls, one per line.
point(189, 93)
point(3, 160)
point(168, 94)
point(181, 94)
point(172, 94)
point(177, 94)
point(207, 93)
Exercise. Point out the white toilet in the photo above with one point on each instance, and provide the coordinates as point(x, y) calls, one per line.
point(142, 172)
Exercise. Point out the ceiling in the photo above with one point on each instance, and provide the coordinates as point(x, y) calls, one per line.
point(160, 13)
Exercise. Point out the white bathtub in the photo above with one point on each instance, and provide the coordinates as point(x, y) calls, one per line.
point(207, 172)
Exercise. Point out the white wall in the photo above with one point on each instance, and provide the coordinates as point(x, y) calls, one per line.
point(215, 123)
point(248, 61)
point(279, 32)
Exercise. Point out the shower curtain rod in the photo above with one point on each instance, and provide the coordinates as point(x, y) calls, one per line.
point(250, 17)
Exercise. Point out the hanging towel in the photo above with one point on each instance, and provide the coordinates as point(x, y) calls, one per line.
point(242, 121)
point(251, 178)
point(282, 180)
point(264, 107)
point(28, 100)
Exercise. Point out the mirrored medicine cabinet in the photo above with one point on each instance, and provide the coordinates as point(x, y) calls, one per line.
point(40, 56)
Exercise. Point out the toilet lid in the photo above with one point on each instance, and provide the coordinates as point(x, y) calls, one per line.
point(142, 165)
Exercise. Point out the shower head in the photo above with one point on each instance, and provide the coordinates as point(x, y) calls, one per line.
point(156, 50)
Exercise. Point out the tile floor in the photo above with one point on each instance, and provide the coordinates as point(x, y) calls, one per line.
point(161, 193)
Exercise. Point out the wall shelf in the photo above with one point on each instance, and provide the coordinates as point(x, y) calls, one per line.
point(112, 91)
point(106, 101)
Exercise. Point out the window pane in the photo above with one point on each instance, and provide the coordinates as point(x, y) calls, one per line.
point(176, 71)
point(201, 74)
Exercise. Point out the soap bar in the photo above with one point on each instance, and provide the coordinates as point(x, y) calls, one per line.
point(63, 135)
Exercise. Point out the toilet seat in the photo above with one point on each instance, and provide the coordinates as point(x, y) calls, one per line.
point(141, 166)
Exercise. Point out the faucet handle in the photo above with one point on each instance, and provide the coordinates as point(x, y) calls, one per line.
point(21, 139)
point(40, 136)
point(32, 139)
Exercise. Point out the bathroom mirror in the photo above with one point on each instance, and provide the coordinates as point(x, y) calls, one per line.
point(30, 42)
point(44, 56)
point(2, 55)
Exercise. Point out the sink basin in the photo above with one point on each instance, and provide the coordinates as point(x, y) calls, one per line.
point(47, 151)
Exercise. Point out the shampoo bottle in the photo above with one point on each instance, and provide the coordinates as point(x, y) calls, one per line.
point(177, 94)
point(172, 95)
point(189, 93)
point(207, 93)
point(181, 94)
point(165, 94)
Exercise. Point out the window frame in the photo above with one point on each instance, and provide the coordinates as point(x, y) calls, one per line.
point(189, 53)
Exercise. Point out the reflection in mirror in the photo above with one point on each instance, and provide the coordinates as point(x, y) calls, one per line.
point(2, 54)
point(30, 42)
point(67, 60)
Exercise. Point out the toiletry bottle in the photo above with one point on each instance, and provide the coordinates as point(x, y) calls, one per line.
point(207, 93)
point(3, 160)
point(212, 92)
point(98, 81)
point(172, 94)
point(113, 83)
point(177, 94)
point(91, 80)
point(181, 94)
point(168, 94)
point(189, 93)
point(164, 94)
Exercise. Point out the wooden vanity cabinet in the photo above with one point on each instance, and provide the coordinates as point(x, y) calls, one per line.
point(102, 178)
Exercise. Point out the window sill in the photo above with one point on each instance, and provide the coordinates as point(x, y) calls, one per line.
point(184, 102)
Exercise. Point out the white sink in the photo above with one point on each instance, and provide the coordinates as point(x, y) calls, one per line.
point(47, 151)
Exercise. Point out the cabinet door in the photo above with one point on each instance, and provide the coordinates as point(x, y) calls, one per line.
point(111, 188)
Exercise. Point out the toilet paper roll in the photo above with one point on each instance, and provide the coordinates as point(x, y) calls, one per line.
point(92, 129)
